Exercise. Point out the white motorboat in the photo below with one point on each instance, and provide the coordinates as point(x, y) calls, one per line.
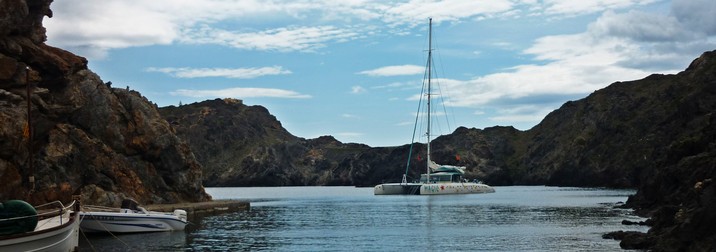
point(439, 179)
point(49, 227)
point(130, 218)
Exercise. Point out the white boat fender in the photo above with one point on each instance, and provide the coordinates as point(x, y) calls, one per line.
point(181, 214)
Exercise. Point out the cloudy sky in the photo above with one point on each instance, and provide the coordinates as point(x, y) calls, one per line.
point(353, 69)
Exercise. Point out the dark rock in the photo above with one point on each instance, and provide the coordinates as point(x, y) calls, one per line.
point(629, 223)
point(87, 138)
point(630, 239)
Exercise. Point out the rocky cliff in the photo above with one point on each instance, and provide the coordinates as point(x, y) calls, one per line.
point(241, 145)
point(677, 190)
point(86, 137)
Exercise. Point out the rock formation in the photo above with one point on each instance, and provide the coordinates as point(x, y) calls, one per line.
point(87, 137)
point(678, 191)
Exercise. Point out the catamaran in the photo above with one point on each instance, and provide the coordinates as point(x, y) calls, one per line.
point(439, 179)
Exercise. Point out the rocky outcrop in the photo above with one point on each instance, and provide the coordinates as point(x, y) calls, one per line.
point(241, 145)
point(105, 143)
point(678, 192)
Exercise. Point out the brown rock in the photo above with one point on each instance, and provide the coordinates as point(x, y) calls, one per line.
point(106, 143)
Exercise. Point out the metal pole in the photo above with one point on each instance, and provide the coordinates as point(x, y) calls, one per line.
point(430, 59)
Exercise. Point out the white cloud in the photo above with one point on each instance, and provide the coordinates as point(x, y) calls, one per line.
point(615, 47)
point(416, 12)
point(641, 27)
point(399, 85)
point(395, 70)
point(571, 7)
point(349, 134)
point(236, 73)
point(286, 39)
point(352, 116)
point(520, 114)
point(91, 28)
point(240, 93)
point(358, 90)
point(699, 15)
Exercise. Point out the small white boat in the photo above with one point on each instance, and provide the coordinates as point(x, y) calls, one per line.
point(439, 179)
point(56, 229)
point(130, 218)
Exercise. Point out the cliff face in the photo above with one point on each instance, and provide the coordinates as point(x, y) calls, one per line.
point(87, 137)
point(678, 192)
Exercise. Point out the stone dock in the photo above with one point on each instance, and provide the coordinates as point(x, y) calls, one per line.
point(203, 208)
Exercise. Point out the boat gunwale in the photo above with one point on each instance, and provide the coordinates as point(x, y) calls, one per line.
point(71, 219)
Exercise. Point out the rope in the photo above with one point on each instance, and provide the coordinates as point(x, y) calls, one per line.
point(87, 239)
point(112, 234)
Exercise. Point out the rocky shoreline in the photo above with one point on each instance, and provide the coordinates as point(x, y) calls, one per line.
point(679, 195)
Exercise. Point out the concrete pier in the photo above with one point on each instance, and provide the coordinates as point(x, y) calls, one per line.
point(201, 208)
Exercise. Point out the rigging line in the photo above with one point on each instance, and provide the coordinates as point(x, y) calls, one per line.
point(442, 101)
point(415, 125)
point(107, 230)
point(447, 92)
point(85, 236)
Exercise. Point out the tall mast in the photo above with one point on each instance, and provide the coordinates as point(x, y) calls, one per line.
point(430, 59)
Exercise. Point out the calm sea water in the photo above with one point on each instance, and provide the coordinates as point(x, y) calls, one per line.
point(516, 218)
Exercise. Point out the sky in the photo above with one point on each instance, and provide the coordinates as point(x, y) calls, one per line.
point(354, 69)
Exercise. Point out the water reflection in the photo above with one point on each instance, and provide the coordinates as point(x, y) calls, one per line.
point(160, 241)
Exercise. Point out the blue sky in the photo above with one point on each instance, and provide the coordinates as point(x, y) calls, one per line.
point(352, 69)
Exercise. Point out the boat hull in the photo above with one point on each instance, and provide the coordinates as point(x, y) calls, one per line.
point(93, 222)
point(454, 188)
point(431, 189)
point(397, 189)
point(62, 237)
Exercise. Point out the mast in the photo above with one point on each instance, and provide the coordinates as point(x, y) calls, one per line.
point(430, 59)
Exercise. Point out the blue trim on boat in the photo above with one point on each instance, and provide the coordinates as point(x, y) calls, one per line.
point(129, 217)
point(135, 225)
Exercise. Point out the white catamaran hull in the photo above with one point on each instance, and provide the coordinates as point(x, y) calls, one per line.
point(397, 189)
point(129, 222)
point(58, 237)
point(454, 188)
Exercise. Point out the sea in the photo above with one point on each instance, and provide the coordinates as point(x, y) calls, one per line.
point(514, 218)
